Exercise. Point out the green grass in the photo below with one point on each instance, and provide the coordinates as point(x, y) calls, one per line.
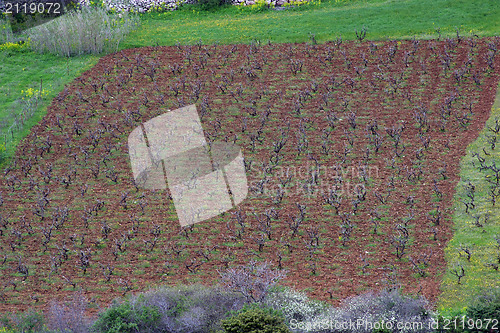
point(477, 277)
point(21, 70)
point(392, 19)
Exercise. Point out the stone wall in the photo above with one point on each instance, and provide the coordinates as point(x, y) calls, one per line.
point(145, 5)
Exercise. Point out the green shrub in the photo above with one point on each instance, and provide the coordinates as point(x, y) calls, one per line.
point(28, 322)
point(170, 309)
point(255, 319)
point(3, 152)
point(124, 317)
point(485, 306)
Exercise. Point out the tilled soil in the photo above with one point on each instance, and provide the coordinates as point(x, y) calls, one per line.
point(72, 218)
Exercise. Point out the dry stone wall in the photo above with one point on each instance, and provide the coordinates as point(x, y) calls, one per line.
point(145, 5)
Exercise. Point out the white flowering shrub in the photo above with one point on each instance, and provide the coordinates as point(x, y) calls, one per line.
point(387, 309)
point(360, 314)
point(295, 305)
point(140, 6)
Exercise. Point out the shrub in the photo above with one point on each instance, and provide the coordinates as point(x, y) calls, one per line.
point(13, 47)
point(90, 30)
point(386, 306)
point(261, 5)
point(126, 317)
point(69, 317)
point(372, 310)
point(485, 306)
point(194, 308)
point(254, 281)
point(295, 305)
point(28, 322)
point(2, 152)
point(140, 6)
point(254, 318)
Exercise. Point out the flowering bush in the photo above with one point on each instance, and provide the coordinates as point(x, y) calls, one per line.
point(261, 5)
point(143, 6)
point(5, 330)
point(372, 310)
point(140, 6)
point(12, 46)
point(386, 307)
point(301, 3)
point(30, 93)
point(2, 156)
point(295, 305)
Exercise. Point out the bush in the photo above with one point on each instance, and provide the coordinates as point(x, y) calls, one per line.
point(127, 317)
point(195, 309)
point(485, 306)
point(200, 309)
point(3, 152)
point(254, 280)
point(372, 310)
point(261, 5)
point(385, 306)
point(90, 30)
point(254, 318)
point(28, 322)
point(69, 317)
point(295, 306)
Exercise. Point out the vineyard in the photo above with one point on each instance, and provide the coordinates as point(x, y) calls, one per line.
point(351, 150)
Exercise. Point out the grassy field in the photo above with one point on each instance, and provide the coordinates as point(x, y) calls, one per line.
point(392, 19)
point(327, 20)
point(478, 238)
point(22, 70)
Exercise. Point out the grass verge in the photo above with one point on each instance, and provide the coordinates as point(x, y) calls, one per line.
point(389, 19)
point(477, 238)
point(21, 72)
